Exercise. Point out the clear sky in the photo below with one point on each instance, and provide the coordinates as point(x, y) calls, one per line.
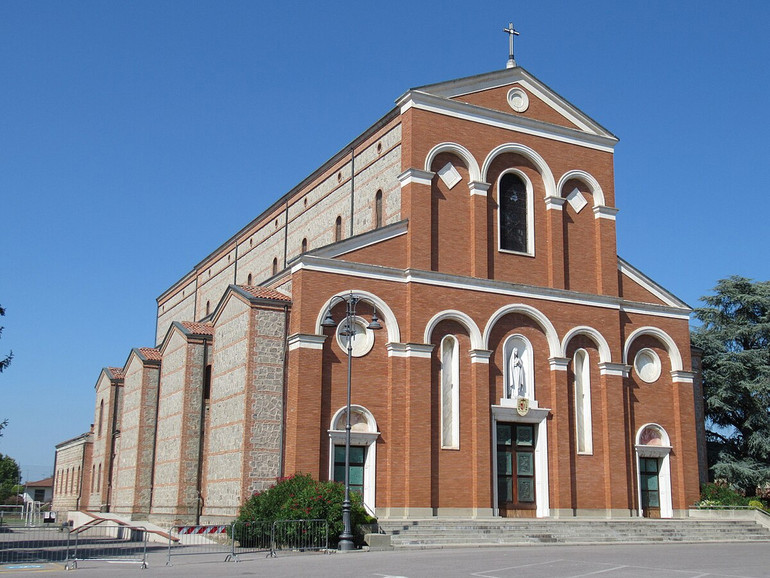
point(136, 137)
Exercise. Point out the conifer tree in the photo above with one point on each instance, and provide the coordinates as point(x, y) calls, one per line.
point(735, 337)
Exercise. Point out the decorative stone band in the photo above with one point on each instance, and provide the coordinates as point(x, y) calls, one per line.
point(619, 369)
point(306, 341)
point(554, 203)
point(479, 188)
point(558, 363)
point(680, 376)
point(480, 355)
point(604, 212)
point(416, 176)
point(409, 350)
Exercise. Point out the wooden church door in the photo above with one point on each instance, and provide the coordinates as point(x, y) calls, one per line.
point(516, 470)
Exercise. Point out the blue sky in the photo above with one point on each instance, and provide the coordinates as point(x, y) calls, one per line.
point(136, 137)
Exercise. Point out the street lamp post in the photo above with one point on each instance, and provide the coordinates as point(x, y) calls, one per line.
point(348, 331)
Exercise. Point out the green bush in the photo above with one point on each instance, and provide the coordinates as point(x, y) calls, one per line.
point(300, 497)
point(756, 504)
point(721, 494)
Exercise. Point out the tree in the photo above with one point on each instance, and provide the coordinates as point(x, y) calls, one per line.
point(10, 478)
point(735, 337)
point(4, 362)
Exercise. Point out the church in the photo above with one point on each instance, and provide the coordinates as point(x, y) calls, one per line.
point(459, 258)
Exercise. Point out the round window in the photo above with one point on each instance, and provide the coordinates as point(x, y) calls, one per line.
point(362, 339)
point(518, 100)
point(647, 365)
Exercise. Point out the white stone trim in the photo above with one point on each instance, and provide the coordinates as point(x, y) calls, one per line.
point(410, 350)
point(449, 175)
point(478, 188)
point(415, 176)
point(558, 363)
point(357, 242)
point(367, 439)
point(515, 290)
point(530, 252)
point(391, 324)
point(532, 313)
point(664, 472)
point(605, 213)
point(306, 341)
point(554, 203)
point(665, 338)
point(504, 120)
point(534, 416)
point(605, 354)
point(529, 154)
point(588, 179)
point(456, 149)
point(616, 369)
point(656, 365)
point(480, 355)
point(576, 200)
point(682, 376)
point(637, 276)
point(462, 318)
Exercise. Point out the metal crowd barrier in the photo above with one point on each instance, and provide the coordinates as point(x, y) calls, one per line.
point(239, 538)
point(22, 543)
point(108, 543)
point(300, 535)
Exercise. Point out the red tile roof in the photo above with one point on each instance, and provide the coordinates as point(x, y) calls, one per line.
point(117, 372)
point(151, 353)
point(47, 482)
point(264, 293)
point(198, 328)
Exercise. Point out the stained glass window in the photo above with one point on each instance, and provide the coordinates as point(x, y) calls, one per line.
point(513, 213)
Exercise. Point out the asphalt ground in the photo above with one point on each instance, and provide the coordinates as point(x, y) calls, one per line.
point(733, 560)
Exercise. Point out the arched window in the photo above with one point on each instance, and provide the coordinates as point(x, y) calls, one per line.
point(93, 477)
point(519, 368)
point(99, 479)
point(338, 229)
point(378, 209)
point(275, 265)
point(101, 416)
point(77, 483)
point(304, 245)
point(67, 482)
point(515, 213)
point(450, 393)
point(248, 280)
point(583, 432)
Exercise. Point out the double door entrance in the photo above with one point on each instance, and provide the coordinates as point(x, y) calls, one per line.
point(516, 469)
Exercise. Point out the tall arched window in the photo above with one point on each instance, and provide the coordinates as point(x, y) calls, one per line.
point(338, 229)
point(304, 245)
point(450, 393)
point(67, 482)
point(275, 265)
point(101, 416)
point(99, 479)
point(249, 280)
point(378, 209)
point(93, 477)
point(515, 214)
point(208, 308)
point(583, 428)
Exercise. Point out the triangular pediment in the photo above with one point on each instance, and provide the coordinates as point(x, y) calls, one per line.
point(518, 95)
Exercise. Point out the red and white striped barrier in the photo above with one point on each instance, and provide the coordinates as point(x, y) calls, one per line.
point(186, 530)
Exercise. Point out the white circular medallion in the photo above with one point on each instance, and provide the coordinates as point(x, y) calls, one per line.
point(518, 100)
point(647, 365)
point(362, 338)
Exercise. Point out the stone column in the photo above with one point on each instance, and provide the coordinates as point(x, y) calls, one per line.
point(606, 251)
point(416, 206)
point(481, 442)
point(479, 230)
point(555, 230)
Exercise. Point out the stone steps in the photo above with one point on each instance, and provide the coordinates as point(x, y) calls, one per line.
point(435, 533)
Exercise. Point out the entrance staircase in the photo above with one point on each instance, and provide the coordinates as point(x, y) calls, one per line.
point(456, 533)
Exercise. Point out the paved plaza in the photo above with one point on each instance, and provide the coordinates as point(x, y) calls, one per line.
point(733, 560)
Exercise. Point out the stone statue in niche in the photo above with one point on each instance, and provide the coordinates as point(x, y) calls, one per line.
point(517, 386)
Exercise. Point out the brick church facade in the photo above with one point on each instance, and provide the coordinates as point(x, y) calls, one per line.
point(523, 368)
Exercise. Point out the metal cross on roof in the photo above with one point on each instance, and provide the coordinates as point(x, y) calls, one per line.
point(511, 31)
